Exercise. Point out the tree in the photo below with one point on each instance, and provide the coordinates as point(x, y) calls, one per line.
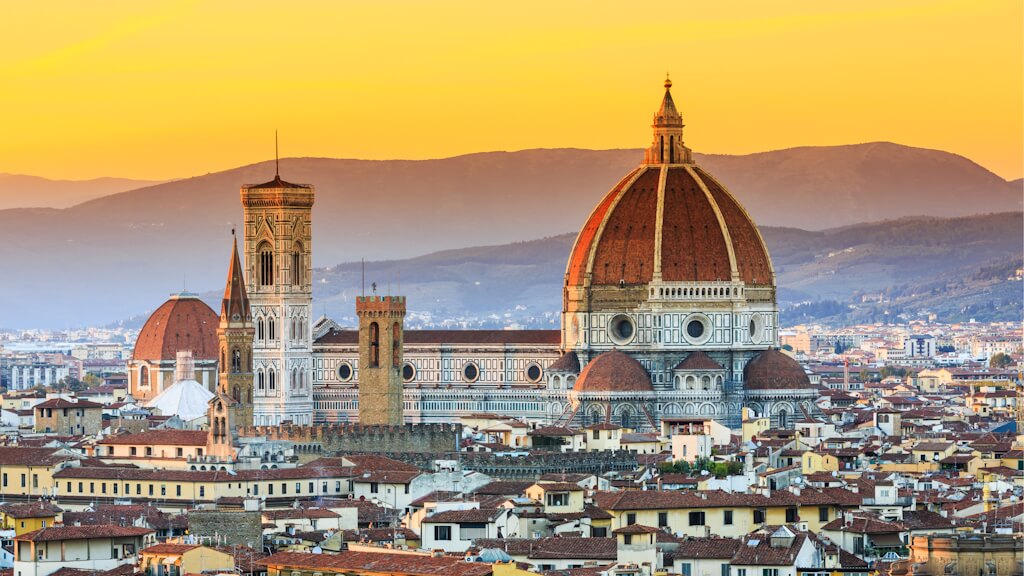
point(92, 380)
point(999, 360)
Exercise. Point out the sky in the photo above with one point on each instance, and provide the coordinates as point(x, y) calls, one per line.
point(168, 89)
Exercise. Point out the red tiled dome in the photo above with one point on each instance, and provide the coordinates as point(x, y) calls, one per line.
point(182, 323)
point(773, 370)
point(704, 234)
point(613, 371)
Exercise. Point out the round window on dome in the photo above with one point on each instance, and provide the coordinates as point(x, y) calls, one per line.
point(756, 328)
point(408, 372)
point(344, 372)
point(698, 329)
point(470, 372)
point(534, 372)
point(621, 329)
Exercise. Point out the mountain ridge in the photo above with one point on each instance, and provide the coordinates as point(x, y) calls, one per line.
point(125, 252)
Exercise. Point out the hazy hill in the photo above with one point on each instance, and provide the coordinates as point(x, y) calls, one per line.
point(956, 268)
point(20, 191)
point(121, 254)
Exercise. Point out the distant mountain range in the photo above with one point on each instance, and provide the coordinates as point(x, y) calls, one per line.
point(21, 191)
point(122, 254)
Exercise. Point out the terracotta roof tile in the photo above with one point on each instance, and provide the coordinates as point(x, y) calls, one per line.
point(82, 533)
point(379, 562)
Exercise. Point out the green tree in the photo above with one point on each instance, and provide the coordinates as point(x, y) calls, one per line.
point(92, 380)
point(1000, 360)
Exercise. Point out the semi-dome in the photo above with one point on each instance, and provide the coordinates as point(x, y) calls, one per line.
point(774, 370)
point(184, 322)
point(613, 371)
point(669, 220)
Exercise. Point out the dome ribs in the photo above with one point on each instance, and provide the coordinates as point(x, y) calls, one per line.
point(692, 249)
point(580, 257)
point(751, 255)
point(181, 323)
point(626, 245)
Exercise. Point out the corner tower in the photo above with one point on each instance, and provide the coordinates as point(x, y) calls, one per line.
point(278, 264)
point(235, 335)
point(381, 321)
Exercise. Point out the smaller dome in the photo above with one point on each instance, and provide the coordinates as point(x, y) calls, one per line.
point(569, 362)
point(613, 371)
point(698, 361)
point(773, 370)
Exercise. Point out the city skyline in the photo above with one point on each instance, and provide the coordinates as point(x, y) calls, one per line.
point(174, 89)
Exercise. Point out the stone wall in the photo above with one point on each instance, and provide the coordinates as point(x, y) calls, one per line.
point(332, 438)
point(227, 527)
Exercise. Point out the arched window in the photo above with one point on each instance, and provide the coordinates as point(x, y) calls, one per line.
point(374, 345)
point(260, 380)
point(236, 360)
point(260, 329)
point(266, 264)
point(270, 328)
point(297, 264)
point(271, 380)
point(144, 377)
point(626, 418)
point(783, 418)
point(706, 382)
point(295, 330)
point(236, 394)
point(396, 344)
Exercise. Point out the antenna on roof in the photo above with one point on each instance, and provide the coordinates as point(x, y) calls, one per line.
point(362, 262)
point(277, 162)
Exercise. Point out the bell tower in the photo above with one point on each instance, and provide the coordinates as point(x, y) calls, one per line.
point(278, 265)
point(231, 406)
point(381, 338)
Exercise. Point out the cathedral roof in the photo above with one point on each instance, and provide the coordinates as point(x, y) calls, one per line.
point(698, 361)
point(235, 305)
point(184, 322)
point(774, 370)
point(483, 337)
point(668, 219)
point(613, 371)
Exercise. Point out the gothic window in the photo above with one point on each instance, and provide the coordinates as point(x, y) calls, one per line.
point(271, 380)
point(236, 360)
point(626, 419)
point(396, 345)
point(266, 264)
point(783, 418)
point(374, 345)
point(260, 329)
point(297, 265)
point(706, 382)
point(270, 328)
point(295, 330)
point(236, 394)
point(260, 380)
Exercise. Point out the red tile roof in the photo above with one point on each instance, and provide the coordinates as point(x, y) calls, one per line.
point(382, 563)
point(82, 533)
point(613, 371)
point(65, 403)
point(435, 337)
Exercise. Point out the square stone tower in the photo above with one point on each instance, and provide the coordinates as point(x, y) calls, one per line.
point(278, 263)
point(381, 329)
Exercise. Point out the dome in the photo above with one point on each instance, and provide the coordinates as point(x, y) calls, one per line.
point(184, 322)
point(613, 371)
point(186, 399)
point(668, 219)
point(701, 235)
point(773, 370)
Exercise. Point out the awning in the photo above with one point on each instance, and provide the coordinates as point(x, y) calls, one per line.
point(887, 541)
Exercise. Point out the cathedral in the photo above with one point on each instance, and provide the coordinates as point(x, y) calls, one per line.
point(669, 310)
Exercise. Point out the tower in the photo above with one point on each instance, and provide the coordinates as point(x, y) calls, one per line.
point(278, 249)
point(381, 320)
point(232, 405)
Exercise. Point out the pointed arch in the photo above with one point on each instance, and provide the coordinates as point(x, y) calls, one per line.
point(265, 263)
point(374, 335)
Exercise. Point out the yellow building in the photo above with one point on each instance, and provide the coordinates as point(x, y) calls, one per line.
point(812, 462)
point(557, 497)
point(30, 516)
point(155, 448)
point(29, 471)
point(163, 559)
point(730, 515)
point(753, 425)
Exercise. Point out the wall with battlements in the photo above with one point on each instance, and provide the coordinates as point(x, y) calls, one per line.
point(330, 438)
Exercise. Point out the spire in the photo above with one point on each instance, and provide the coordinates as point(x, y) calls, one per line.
point(236, 301)
point(667, 147)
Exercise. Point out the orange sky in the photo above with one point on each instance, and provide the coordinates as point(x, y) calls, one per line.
point(170, 89)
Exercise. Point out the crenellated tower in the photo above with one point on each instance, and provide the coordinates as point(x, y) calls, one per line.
point(381, 321)
point(278, 264)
